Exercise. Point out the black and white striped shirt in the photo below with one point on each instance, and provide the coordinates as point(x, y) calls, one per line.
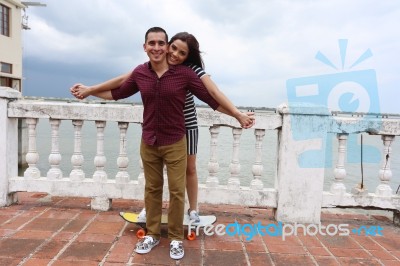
point(190, 108)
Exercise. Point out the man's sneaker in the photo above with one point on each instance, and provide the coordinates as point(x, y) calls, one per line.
point(146, 244)
point(176, 250)
point(142, 216)
point(194, 216)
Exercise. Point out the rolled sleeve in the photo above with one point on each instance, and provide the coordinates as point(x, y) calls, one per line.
point(127, 89)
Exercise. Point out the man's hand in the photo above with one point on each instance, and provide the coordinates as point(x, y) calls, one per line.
point(246, 120)
point(80, 91)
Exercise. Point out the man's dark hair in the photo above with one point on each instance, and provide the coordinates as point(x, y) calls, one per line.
point(156, 29)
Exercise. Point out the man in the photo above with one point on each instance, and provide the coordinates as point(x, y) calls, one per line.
point(163, 90)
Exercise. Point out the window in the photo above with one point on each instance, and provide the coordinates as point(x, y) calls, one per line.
point(5, 82)
point(4, 20)
point(11, 83)
point(5, 68)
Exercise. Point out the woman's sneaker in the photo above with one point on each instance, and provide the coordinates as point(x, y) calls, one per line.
point(193, 216)
point(176, 250)
point(146, 244)
point(142, 216)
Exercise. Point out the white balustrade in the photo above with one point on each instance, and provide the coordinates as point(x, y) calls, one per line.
point(123, 160)
point(77, 159)
point(233, 181)
point(32, 157)
point(213, 165)
point(257, 168)
point(339, 172)
point(293, 179)
point(385, 173)
point(100, 159)
point(55, 156)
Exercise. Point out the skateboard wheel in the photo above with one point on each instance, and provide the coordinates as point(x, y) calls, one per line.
point(191, 235)
point(141, 233)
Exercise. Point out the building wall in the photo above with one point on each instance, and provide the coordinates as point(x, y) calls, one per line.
point(11, 46)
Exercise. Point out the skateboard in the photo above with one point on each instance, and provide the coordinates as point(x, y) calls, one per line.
point(204, 221)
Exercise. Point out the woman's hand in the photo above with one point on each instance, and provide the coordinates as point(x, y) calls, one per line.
point(246, 120)
point(80, 91)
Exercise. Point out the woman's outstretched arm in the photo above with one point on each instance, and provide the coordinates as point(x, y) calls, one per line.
point(246, 120)
point(101, 90)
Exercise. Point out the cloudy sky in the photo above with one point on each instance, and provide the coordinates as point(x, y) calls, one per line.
point(251, 48)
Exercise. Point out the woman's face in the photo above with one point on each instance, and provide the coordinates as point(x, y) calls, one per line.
point(178, 51)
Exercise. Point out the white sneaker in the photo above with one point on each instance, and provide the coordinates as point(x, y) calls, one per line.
point(176, 251)
point(142, 216)
point(194, 216)
point(146, 244)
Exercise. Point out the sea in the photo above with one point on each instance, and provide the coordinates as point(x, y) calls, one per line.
point(366, 172)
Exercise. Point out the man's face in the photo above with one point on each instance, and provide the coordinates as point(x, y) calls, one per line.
point(156, 47)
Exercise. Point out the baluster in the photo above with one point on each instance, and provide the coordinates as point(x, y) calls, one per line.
point(165, 175)
point(123, 160)
point(100, 160)
point(213, 165)
point(234, 182)
point(77, 157)
point(32, 157)
point(55, 156)
point(165, 188)
point(339, 172)
point(141, 179)
point(385, 173)
point(258, 168)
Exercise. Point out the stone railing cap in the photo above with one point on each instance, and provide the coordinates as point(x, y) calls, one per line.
point(300, 108)
point(9, 93)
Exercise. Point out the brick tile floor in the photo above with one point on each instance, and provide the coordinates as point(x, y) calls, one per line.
point(43, 230)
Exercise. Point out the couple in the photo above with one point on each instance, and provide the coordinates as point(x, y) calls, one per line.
point(169, 126)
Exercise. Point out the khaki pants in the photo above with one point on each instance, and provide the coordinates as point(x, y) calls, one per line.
point(175, 158)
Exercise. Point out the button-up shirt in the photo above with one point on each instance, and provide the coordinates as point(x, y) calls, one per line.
point(163, 100)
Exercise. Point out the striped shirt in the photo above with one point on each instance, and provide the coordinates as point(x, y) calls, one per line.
point(190, 107)
point(163, 100)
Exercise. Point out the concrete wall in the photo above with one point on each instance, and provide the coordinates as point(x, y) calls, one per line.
point(11, 46)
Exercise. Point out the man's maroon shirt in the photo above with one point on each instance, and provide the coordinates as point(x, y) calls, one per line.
point(163, 100)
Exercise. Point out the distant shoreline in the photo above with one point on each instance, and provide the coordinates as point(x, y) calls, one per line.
point(98, 101)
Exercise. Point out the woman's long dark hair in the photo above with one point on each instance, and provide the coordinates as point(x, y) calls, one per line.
point(194, 56)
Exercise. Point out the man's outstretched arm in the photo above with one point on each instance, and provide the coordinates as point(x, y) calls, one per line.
point(102, 90)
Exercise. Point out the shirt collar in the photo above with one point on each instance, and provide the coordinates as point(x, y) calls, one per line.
point(171, 68)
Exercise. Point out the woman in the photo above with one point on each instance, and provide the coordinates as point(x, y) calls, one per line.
point(183, 49)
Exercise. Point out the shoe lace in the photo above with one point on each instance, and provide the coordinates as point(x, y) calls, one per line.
point(148, 240)
point(176, 247)
point(145, 243)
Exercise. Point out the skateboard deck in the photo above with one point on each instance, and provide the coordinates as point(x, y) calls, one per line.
point(133, 218)
point(204, 219)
